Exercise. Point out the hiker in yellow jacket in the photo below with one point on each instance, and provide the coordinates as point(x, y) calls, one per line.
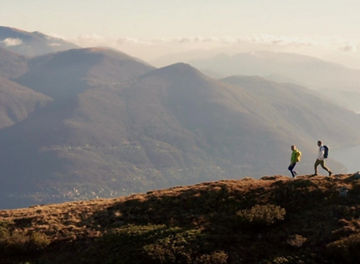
point(295, 157)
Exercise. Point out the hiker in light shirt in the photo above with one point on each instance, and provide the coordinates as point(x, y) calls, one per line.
point(321, 159)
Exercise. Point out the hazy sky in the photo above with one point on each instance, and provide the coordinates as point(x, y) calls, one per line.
point(158, 18)
point(328, 24)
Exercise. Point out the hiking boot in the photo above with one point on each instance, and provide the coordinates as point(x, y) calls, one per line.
point(330, 173)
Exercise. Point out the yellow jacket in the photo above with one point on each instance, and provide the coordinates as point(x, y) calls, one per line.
point(295, 156)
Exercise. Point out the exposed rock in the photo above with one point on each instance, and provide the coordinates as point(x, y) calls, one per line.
point(296, 240)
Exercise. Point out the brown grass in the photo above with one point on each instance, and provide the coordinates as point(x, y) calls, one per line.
point(231, 221)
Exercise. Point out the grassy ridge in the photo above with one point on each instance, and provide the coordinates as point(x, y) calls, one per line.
point(272, 220)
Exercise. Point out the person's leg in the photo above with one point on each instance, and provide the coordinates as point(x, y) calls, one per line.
point(291, 167)
point(317, 162)
point(325, 168)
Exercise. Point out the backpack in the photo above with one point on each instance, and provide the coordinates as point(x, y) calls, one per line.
point(326, 152)
point(298, 156)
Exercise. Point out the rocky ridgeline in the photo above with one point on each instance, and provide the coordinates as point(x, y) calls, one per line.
point(272, 220)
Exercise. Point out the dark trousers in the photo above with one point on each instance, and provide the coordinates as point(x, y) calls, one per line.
point(291, 169)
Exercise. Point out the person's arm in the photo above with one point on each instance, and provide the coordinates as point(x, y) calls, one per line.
point(321, 152)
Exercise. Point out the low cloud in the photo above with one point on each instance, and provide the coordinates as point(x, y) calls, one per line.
point(90, 40)
point(349, 47)
point(283, 40)
point(261, 39)
point(11, 42)
point(336, 48)
point(268, 40)
point(54, 44)
point(135, 41)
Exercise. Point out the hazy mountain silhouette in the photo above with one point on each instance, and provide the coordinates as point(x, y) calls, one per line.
point(117, 125)
point(337, 82)
point(18, 102)
point(31, 43)
point(299, 110)
point(38, 152)
point(11, 64)
point(67, 73)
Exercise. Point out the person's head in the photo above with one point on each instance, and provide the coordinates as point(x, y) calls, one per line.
point(319, 143)
point(293, 147)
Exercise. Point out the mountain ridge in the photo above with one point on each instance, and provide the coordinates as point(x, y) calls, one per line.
point(332, 81)
point(31, 44)
point(78, 66)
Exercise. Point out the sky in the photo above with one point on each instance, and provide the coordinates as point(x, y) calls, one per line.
point(155, 28)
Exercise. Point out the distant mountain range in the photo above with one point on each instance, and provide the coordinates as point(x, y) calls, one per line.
point(86, 123)
point(31, 44)
point(333, 81)
point(297, 110)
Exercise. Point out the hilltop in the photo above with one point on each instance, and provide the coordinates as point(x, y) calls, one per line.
point(31, 43)
point(271, 220)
